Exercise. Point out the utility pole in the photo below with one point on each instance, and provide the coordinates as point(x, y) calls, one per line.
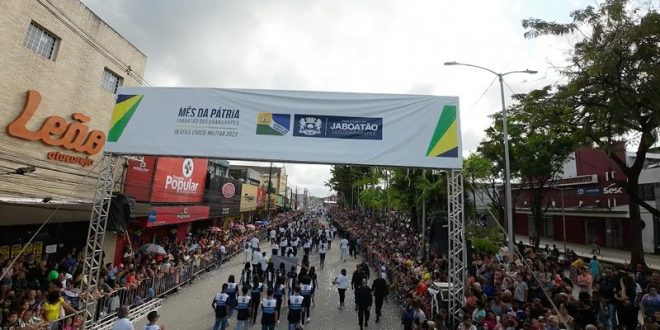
point(270, 187)
point(296, 198)
point(424, 222)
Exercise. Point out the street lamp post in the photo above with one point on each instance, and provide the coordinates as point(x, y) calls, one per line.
point(507, 168)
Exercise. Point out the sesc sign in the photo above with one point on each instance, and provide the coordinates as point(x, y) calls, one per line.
point(612, 189)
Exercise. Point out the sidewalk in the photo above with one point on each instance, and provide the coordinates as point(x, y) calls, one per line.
point(614, 256)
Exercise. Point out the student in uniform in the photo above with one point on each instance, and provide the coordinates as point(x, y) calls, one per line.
point(269, 311)
point(291, 277)
point(246, 275)
point(279, 291)
point(306, 293)
point(323, 249)
point(255, 296)
point(243, 310)
point(283, 245)
point(232, 291)
point(295, 309)
point(274, 248)
point(307, 244)
point(342, 283)
point(219, 305)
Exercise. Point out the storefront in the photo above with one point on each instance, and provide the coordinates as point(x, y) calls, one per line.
point(170, 196)
point(224, 198)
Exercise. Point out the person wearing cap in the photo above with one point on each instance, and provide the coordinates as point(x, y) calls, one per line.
point(381, 290)
point(153, 317)
point(122, 323)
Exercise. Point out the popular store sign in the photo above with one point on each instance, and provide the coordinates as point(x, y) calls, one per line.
point(167, 179)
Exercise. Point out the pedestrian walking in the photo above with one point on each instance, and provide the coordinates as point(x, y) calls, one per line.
point(255, 296)
point(323, 249)
point(306, 293)
point(295, 309)
point(122, 323)
point(342, 284)
point(364, 301)
point(243, 310)
point(280, 289)
point(232, 292)
point(153, 317)
point(343, 247)
point(381, 290)
point(219, 305)
point(247, 248)
point(222, 253)
point(315, 284)
point(246, 275)
point(356, 282)
point(274, 248)
point(269, 311)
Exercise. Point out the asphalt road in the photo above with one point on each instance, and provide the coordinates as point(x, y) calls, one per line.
point(190, 308)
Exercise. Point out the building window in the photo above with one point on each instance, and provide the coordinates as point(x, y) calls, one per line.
point(111, 81)
point(646, 192)
point(41, 41)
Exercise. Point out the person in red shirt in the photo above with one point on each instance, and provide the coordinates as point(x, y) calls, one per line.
point(421, 289)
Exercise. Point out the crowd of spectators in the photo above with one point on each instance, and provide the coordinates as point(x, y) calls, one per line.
point(35, 293)
point(541, 289)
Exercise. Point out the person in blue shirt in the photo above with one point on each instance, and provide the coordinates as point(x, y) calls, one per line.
point(232, 291)
point(280, 289)
point(243, 310)
point(255, 296)
point(270, 314)
point(295, 309)
point(219, 305)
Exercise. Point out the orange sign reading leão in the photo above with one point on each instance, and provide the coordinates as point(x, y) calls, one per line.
point(56, 131)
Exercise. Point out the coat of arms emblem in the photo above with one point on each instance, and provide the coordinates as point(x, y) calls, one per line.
point(310, 125)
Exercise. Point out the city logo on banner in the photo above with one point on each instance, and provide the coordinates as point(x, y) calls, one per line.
point(444, 142)
point(338, 127)
point(277, 124)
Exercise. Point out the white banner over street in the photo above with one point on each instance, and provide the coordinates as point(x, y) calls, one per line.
point(295, 126)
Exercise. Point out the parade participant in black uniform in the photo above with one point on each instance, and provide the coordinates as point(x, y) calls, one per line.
point(364, 300)
point(356, 282)
point(381, 290)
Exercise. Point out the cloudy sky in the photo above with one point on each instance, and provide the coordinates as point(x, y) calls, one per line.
point(378, 46)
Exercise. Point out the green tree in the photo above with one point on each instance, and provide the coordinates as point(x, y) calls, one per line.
point(614, 87)
point(476, 170)
point(537, 152)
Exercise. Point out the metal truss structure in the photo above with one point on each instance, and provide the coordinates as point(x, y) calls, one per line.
point(93, 260)
point(457, 248)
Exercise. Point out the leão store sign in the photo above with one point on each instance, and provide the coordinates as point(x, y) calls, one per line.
point(74, 135)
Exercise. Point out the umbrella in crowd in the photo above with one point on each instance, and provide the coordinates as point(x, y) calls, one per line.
point(262, 223)
point(215, 229)
point(152, 248)
point(250, 227)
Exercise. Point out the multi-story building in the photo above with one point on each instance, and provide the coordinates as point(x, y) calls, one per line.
point(60, 67)
point(586, 203)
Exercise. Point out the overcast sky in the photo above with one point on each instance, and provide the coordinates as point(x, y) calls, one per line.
point(379, 46)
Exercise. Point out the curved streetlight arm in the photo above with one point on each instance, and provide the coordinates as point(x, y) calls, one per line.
point(491, 71)
point(474, 66)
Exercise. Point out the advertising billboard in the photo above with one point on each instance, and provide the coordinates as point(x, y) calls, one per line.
point(179, 180)
point(224, 196)
point(297, 126)
point(170, 215)
point(261, 197)
point(248, 197)
point(139, 176)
